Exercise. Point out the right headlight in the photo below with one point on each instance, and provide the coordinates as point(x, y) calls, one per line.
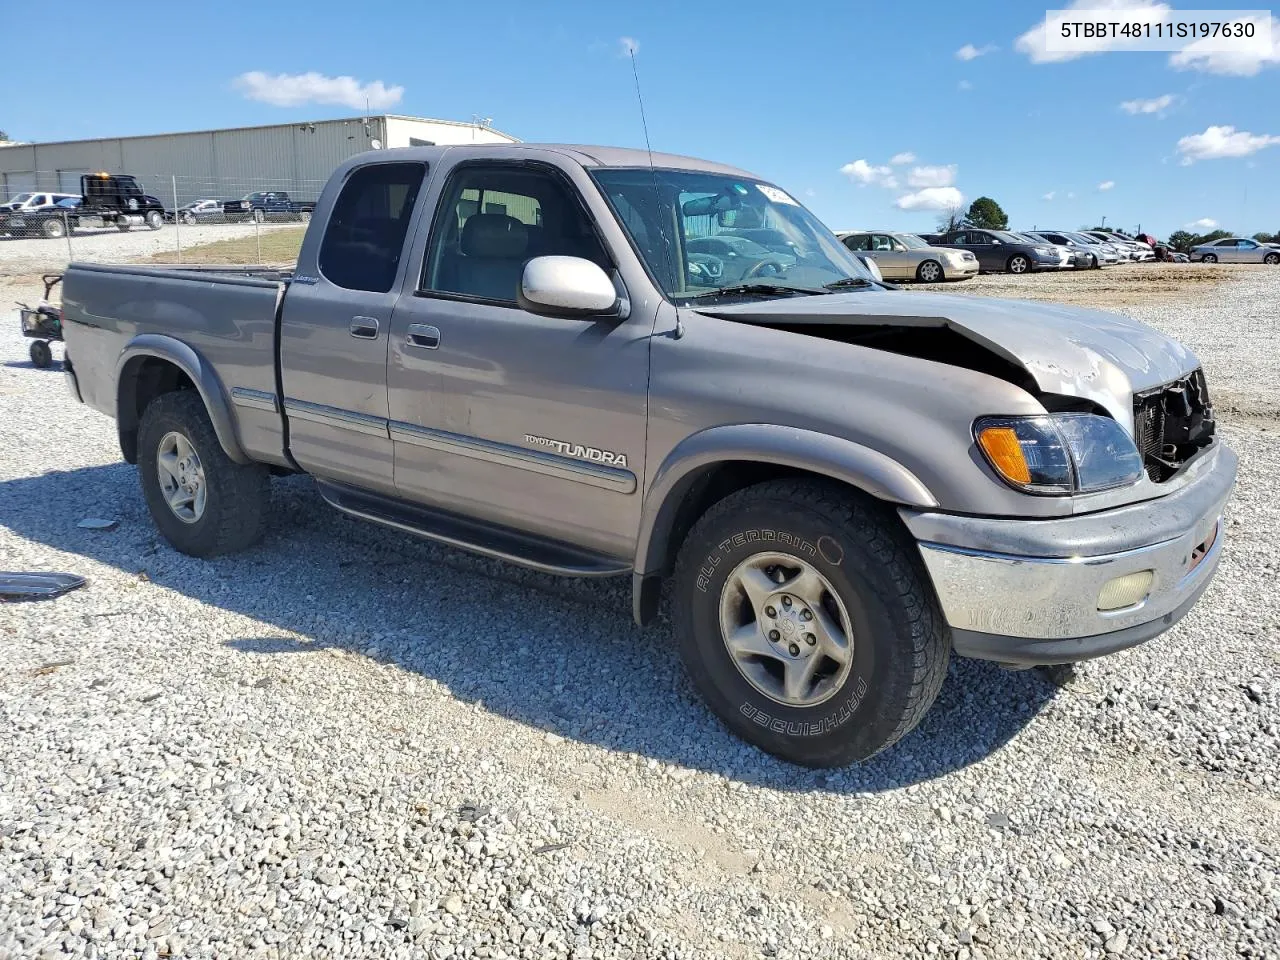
point(1059, 453)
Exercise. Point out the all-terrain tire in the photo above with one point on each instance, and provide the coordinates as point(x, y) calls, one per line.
point(237, 495)
point(900, 645)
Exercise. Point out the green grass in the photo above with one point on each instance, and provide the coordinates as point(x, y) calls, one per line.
point(271, 247)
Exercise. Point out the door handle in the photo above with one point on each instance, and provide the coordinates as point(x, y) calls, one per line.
point(423, 335)
point(364, 328)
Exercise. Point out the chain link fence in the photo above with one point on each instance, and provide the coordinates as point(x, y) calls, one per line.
point(45, 222)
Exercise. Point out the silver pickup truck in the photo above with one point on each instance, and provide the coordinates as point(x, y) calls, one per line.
point(533, 352)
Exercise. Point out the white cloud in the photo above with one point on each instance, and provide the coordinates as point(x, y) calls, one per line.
point(1242, 62)
point(898, 159)
point(970, 52)
point(1225, 141)
point(1034, 42)
point(931, 198)
point(964, 85)
point(938, 176)
point(1050, 195)
point(1203, 224)
point(1106, 185)
point(295, 89)
point(628, 46)
point(1157, 105)
point(1071, 195)
point(864, 173)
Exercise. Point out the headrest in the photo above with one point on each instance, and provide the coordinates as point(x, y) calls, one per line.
point(494, 235)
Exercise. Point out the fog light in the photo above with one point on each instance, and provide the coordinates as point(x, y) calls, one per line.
point(1125, 591)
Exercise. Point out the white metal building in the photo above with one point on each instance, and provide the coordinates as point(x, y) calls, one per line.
point(225, 164)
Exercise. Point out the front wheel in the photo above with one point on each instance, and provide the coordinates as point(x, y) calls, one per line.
point(202, 501)
point(259, 216)
point(929, 272)
point(1018, 264)
point(1209, 258)
point(807, 622)
point(305, 216)
point(155, 220)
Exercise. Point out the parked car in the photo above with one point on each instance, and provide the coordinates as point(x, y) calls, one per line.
point(905, 256)
point(999, 250)
point(268, 205)
point(200, 211)
point(737, 255)
point(51, 221)
point(1134, 250)
point(1235, 250)
point(32, 201)
point(1067, 258)
point(1087, 252)
point(22, 204)
point(844, 482)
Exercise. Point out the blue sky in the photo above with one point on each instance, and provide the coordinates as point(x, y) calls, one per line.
point(797, 93)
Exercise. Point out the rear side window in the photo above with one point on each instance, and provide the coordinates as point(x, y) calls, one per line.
point(364, 238)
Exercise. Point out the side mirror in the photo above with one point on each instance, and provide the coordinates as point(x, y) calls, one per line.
point(569, 287)
point(873, 268)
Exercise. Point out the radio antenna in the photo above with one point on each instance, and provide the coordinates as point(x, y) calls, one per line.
point(657, 192)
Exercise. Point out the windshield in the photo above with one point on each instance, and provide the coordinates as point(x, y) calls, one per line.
point(911, 241)
point(22, 198)
point(699, 233)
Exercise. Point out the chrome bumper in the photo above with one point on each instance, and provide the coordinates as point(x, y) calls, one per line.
point(1028, 591)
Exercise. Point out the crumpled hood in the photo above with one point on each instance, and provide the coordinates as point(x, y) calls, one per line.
point(1100, 356)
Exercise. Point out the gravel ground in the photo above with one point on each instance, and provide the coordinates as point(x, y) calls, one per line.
point(297, 752)
point(32, 255)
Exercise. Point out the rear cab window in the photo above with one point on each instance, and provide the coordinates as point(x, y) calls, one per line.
point(364, 238)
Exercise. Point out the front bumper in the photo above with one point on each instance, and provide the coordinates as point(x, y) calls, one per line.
point(1027, 592)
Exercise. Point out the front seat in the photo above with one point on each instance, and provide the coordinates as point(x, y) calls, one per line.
point(494, 249)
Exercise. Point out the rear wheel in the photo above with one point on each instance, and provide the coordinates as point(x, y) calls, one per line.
point(1209, 258)
point(929, 272)
point(202, 501)
point(305, 216)
point(54, 228)
point(259, 216)
point(807, 622)
point(1018, 264)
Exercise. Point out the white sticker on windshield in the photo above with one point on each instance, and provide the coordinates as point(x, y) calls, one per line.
point(774, 195)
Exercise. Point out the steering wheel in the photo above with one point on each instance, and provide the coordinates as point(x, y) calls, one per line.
point(757, 269)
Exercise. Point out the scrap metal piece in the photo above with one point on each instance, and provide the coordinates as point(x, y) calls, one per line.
point(37, 586)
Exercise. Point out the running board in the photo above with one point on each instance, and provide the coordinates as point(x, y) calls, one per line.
point(467, 533)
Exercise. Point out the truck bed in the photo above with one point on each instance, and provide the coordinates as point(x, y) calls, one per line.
point(224, 317)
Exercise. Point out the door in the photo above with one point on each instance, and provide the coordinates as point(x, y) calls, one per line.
point(536, 423)
point(989, 253)
point(335, 328)
point(1248, 251)
point(891, 257)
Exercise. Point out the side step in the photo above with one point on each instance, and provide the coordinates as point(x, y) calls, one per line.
point(490, 540)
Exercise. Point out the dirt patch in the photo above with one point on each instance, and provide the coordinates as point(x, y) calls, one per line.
point(1136, 284)
point(273, 248)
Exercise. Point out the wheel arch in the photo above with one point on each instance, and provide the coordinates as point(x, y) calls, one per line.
point(711, 464)
point(152, 364)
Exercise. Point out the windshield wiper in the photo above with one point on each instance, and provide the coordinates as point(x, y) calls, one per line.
point(848, 282)
point(757, 289)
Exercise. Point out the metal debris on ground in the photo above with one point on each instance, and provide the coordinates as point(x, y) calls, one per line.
point(37, 586)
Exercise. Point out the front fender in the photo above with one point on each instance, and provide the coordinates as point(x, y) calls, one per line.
point(198, 370)
point(852, 463)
